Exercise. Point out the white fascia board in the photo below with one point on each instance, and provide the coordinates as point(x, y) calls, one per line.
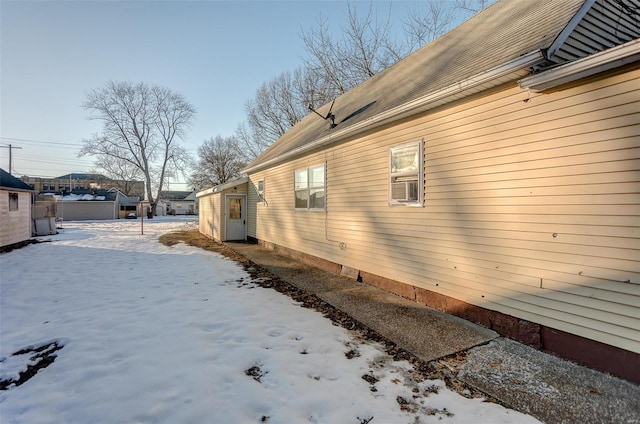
point(605, 60)
point(414, 106)
point(223, 186)
point(205, 192)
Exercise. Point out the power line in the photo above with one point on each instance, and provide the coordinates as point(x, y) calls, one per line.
point(57, 162)
point(40, 141)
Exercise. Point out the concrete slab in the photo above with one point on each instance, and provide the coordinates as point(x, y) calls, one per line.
point(552, 389)
point(549, 388)
point(427, 333)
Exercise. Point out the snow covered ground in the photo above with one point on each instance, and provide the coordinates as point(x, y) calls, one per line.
point(153, 334)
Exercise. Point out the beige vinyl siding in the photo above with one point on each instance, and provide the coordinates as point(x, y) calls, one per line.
point(209, 215)
point(278, 221)
point(212, 212)
point(15, 224)
point(253, 204)
point(532, 207)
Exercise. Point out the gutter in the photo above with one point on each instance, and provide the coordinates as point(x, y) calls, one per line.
point(414, 106)
point(223, 186)
point(605, 60)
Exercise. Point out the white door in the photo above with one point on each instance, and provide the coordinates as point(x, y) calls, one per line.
point(236, 217)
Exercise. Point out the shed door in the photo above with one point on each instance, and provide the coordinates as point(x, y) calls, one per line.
point(235, 218)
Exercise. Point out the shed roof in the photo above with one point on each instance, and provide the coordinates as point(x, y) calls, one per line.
point(9, 181)
point(220, 187)
point(174, 195)
point(513, 32)
point(80, 194)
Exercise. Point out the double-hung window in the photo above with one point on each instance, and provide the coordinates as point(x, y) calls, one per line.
point(309, 188)
point(405, 174)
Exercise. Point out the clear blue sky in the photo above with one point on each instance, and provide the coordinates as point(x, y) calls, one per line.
point(214, 53)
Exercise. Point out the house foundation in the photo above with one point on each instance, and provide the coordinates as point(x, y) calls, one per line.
point(590, 353)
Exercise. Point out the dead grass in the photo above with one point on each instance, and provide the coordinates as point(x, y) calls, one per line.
point(196, 239)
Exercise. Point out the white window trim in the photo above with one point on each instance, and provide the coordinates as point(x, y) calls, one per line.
point(419, 202)
point(324, 187)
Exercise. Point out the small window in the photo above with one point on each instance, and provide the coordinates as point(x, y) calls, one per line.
point(235, 208)
point(405, 174)
point(261, 198)
point(309, 188)
point(13, 201)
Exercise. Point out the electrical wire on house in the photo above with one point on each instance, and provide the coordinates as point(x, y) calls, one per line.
point(341, 245)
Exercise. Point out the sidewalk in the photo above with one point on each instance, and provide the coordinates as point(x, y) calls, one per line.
point(530, 381)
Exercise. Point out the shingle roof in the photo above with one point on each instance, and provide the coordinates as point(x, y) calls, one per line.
point(174, 195)
point(503, 32)
point(9, 181)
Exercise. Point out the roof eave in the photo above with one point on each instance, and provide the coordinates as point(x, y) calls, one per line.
point(479, 82)
point(24, 190)
point(223, 186)
point(605, 60)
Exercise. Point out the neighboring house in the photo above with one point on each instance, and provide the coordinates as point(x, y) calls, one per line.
point(492, 174)
point(222, 214)
point(15, 210)
point(89, 205)
point(179, 202)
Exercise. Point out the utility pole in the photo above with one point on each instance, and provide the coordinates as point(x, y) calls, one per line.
point(10, 147)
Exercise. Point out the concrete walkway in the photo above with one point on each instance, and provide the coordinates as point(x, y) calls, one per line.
point(530, 381)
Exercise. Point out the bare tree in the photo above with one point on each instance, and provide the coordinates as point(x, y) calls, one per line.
point(123, 175)
point(250, 142)
point(426, 22)
point(334, 65)
point(219, 161)
point(277, 106)
point(141, 125)
point(274, 108)
point(472, 6)
point(363, 50)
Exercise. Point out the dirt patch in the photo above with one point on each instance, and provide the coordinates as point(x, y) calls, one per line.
point(20, 245)
point(34, 358)
point(256, 373)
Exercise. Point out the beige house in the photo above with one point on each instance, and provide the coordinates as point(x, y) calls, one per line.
point(15, 210)
point(493, 174)
point(223, 209)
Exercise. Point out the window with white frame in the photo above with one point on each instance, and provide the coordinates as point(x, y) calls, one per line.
point(309, 188)
point(405, 174)
point(13, 201)
point(261, 198)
